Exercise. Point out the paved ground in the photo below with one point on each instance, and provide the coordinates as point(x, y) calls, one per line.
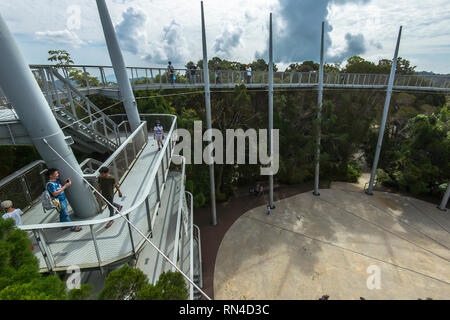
point(310, 246)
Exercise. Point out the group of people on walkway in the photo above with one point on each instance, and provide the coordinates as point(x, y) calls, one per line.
point(106, 184)
point(192, 70)
point(56, 190)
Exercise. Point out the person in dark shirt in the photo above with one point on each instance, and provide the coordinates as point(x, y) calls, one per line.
point(56, 190)
point(171, 72)
point(106, 184)
point(192, 70)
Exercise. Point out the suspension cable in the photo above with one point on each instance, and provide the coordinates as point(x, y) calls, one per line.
point(130, 223)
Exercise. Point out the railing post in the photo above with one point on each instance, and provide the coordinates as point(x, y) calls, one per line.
point(126, 156)
point(102, 74)
point(134, 149)
point(149, 219)
point(86, 78)
point(158, 191)
point(97, 252)
point(104, 126)
point(163, 171)
point(25, 189)
point(42, 248)
point(47, 250)
point(48, 94)
point(90, 115)
point(131, 235)
point(116, 172)
point(58, 100)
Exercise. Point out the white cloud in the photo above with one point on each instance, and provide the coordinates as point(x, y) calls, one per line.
point(424, 37)
point(65, 36)
point(228, 41)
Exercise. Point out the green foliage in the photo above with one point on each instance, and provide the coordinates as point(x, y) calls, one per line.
point(416, 152)
point(128, 283)
point(170, 286)
point(199, 200)
point(19, 270)
point(123, 284)
point(61, 56)
point(83, 293)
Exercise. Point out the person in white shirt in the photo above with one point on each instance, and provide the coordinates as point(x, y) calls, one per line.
point(249, 74)
point(11, 212)
point(158, 134)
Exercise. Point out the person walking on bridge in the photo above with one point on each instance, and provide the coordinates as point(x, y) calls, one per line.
point(171, 72)
point(158, 134)
point(106, 184)
point(56, 190)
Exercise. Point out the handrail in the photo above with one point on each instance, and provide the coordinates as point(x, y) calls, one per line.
point(139, 202)
point(179, 213)
point(20, 172)
point(200, 255)
point(191, 256)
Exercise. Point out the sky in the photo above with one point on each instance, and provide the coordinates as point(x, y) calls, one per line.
point(151, 32)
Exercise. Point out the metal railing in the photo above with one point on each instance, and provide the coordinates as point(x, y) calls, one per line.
point(90, 77)
point(54, 245)
point(24, 186)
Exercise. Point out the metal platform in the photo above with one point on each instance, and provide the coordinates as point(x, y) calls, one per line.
point(142, 171)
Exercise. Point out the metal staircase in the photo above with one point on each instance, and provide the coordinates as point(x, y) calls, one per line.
point(90, 128)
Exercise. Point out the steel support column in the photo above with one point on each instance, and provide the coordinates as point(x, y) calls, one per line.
point(208, 119)
point(385, 115)
point(119, 66)
point(21, 88)
point(270, 109)
point(319, 112)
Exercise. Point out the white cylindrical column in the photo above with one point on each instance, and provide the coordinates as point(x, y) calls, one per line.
point(22, 90)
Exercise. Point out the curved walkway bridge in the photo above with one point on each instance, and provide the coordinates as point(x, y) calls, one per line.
point(101, 79)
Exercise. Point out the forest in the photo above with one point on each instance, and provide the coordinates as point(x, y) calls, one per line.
point(416, 146)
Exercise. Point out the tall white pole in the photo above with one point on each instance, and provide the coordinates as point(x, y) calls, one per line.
point(22, 90)
point(208, 119)
point(271, 108)
point(319, 112)
point(119, 66)
point(385, 115)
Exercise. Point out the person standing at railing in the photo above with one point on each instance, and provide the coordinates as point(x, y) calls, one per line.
point(217, 75)
point(11, 212)
point(158, 134)
point(192, 70)
point(249, 73)
point(56, 190)
point(106, 184)
point(171, 72)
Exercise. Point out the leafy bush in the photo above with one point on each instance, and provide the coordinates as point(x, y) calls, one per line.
point(19, 270)
point(128, 283)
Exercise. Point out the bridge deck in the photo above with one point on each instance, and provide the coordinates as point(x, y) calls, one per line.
point(77, 248)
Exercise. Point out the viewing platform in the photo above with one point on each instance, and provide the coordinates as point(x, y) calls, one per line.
point(153, 200)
